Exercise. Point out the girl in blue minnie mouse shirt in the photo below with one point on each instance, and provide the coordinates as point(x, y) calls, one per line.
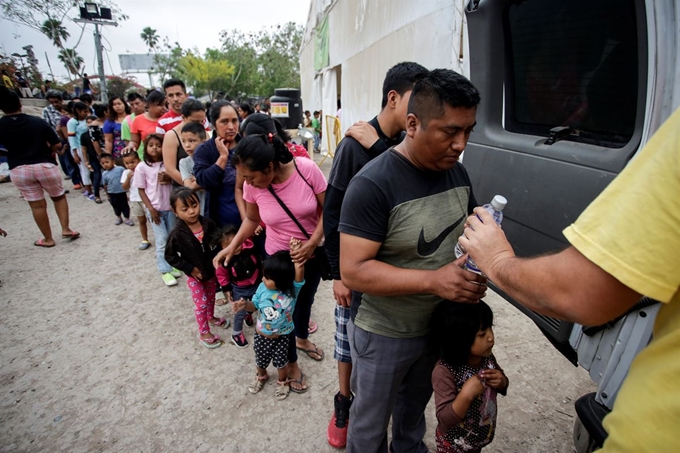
point(275, 301)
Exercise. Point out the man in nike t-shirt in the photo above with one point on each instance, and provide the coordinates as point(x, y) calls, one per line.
point(400, 220)
point(363, 143)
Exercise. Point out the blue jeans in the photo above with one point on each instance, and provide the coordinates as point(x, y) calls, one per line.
point(161, 232)
point(238, 292)
point(69, 166)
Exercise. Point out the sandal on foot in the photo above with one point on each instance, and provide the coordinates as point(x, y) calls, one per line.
point(210, 343)
point(258, 383)
point(221, 322)
point(98, 200)
point(300, 382)
point(72, 235)
point(282, 390)
point(315, 351)
point(313, 327)
point(41, 243)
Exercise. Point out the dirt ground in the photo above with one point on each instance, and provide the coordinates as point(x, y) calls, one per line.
point(96, 354)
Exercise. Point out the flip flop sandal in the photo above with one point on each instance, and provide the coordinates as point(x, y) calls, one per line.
point(282, 390)
point(316, 351)
point(213, 343)
point(258, 383)
point(72, 236)
point(300, 382)
point(223, 322)
point(313, 327)
point(41, 243)
point(98, 200)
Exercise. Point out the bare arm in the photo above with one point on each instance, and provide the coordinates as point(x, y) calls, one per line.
point(108, 143)
point(362, 272)
point(155, 217)
point(565, 285)
point(128, 181)
point(191, 183)
point(170, 145)
point(248, 227)
point(305, 252)
point(238, 196)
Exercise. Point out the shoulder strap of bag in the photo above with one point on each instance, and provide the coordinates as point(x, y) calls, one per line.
point(290, 214)
point(303, 178)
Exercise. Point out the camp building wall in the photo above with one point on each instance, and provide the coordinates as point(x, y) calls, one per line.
point(349, 45)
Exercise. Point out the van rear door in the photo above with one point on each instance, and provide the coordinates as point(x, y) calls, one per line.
point(563, 86)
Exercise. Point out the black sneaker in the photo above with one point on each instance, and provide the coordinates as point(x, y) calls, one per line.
point(249, 320)
point(239, 340)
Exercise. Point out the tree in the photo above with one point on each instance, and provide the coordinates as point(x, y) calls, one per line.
point(72, 61)
point(279, 61)
point(263, 61)
point(48, 16)
point(150, 38)
point(212, 73)
point(55, 31)
point(119, 86)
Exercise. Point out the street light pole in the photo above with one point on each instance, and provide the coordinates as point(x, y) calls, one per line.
point(100, 64)
point(92, 14)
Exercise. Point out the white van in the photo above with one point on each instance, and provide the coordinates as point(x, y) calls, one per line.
point(571, 91)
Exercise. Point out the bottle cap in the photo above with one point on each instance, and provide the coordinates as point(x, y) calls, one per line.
point(499, 202)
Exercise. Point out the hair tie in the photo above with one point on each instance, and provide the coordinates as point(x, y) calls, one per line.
point(271, 137)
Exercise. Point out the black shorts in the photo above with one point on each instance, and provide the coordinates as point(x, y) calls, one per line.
point(271, 349)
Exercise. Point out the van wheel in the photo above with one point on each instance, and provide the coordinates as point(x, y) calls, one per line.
point(582, 441)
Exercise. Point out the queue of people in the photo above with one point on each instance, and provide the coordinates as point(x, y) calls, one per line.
point(243, 212)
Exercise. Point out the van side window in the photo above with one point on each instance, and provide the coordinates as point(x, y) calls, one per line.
point(572, 63)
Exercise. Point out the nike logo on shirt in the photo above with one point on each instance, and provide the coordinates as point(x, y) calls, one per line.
point(426, 248)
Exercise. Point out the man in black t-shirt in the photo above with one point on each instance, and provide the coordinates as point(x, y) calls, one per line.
point(364, 142)
point(400, 220)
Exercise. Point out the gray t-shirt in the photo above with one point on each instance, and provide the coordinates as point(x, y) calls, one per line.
point(186, 171)
point(417, 217)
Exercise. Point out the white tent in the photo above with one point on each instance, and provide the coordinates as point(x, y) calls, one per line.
point(349, 45)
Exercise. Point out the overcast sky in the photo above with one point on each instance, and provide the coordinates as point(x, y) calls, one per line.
point(194, 23)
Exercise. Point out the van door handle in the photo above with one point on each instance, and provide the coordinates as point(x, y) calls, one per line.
point(559, 133)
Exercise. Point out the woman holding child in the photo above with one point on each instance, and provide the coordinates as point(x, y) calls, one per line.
point(273, 178)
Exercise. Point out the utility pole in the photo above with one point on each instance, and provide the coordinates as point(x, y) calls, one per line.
point(100, 64)
point(92, 14)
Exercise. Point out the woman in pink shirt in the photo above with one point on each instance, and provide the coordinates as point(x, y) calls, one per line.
point(271, 172)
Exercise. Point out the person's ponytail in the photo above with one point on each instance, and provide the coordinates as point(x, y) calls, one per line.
point(282, 154)
point(257, 151)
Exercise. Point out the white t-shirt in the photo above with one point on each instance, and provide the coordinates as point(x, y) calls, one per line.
point(134, 193)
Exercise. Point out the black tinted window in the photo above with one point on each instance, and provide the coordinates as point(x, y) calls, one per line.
point(572, 63)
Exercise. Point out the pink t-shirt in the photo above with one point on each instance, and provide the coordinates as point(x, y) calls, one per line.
point(300, 200)
point(146, 177)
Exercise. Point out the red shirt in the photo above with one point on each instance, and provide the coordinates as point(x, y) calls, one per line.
point(170, 120)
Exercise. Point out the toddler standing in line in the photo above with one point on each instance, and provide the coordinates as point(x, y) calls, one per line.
point(192, 135)
point(238, 279)
point(275, 299)
point(114, 189)
point(467, 377)
point(189, 249)
point(154, 188)
point(131, 160)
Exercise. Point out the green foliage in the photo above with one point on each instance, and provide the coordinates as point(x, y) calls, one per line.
point(55, 31)
point(71, 60)
point(48, 16)
point(119, 86)
point(150, 38)
point(212, 73)
point(246, 65)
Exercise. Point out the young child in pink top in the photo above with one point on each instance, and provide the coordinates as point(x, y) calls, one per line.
point(154, 190)
point(238, 279)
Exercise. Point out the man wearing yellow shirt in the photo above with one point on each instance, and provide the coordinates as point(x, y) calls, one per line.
point(626, 244)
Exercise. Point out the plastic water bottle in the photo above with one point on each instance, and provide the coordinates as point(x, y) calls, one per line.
point(495, 208)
